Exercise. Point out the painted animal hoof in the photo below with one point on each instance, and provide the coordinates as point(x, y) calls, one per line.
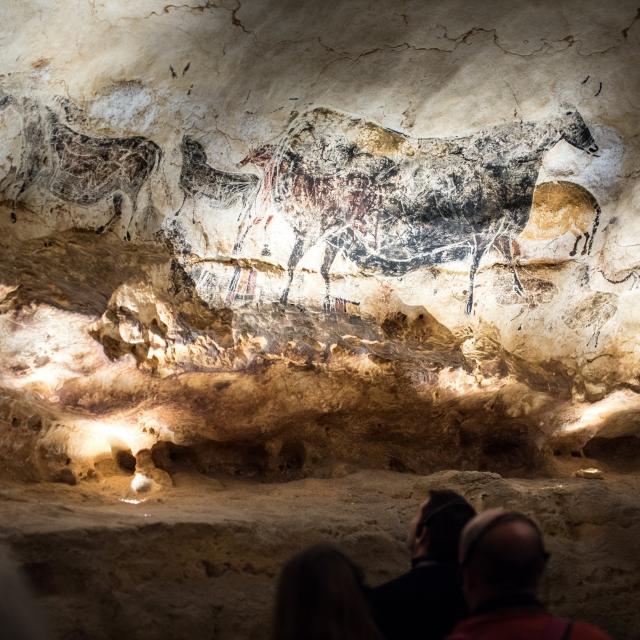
point(14, 217)
point(100, 230)
point(265, 251)
point(326, 305)
point(572, 252)
point(127, 236)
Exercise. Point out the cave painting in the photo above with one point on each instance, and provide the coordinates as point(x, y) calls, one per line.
point(200, 180)
point(78, 168)
point(592, 313)
point(393, 203)
point(563, 207)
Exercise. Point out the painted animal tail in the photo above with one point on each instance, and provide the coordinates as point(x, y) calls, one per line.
point(594, 228)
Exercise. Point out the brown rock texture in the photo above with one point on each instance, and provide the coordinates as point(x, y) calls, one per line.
point(202, 560)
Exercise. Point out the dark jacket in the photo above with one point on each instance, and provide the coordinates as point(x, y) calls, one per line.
point(424, 603)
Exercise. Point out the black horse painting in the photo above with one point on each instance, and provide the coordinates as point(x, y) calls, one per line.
point(394, 203)
point(200, 180)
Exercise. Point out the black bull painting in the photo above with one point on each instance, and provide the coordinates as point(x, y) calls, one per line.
point(393, 203)
point(78, 168)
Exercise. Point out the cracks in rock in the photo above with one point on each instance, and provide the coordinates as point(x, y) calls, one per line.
point(197, 8)
point(547, 46)
point(228, 137)
point(625, 31)
point(516, 109)
point(326, 47)
point(236, 21)
point(211, 4)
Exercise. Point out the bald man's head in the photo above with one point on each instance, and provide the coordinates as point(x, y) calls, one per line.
point(503, 553)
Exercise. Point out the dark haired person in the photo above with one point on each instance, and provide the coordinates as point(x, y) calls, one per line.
point(20, 617)
point(503, 557)
point(427, 601)
point(320, 597)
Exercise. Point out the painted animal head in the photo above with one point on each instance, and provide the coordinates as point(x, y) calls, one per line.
point(574, 130)
point(193, 150)
point(259, 157)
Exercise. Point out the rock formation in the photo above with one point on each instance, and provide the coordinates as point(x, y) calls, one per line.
point(337, 272)
point(276, 239)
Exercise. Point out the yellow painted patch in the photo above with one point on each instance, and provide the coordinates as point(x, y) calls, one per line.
point(558, 208)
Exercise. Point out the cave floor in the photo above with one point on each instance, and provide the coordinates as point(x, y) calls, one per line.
point(200, 560)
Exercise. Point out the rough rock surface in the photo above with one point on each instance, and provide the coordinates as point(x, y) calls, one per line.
point(202, 561)
point(274, 238)
point(296, 207)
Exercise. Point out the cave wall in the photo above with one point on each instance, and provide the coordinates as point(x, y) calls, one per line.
point(285, 233)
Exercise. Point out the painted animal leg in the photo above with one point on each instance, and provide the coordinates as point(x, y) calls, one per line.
point(14, 202)
point(265, 249)
point(296, 254)
point(330, 252)
point(231, 293)
point(586, 244)
point(184, 199)
point(117, 213)
point(595, 337)
point(14, 205)
point(242, 234)
point(478, 251)
point(575, 245)
point(133, 197)
point(596, 222)
point(504, 245)
point(517, 283)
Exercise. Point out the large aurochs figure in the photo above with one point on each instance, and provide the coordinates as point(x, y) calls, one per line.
point(394, 203)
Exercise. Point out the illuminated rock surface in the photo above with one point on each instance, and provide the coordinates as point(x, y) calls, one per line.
point(271, 240)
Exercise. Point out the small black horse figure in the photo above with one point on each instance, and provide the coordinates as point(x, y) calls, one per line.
point(223, 189)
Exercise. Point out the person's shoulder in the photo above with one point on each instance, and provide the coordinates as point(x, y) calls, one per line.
point(393, 585)
point(419, 580)
point(586, 631)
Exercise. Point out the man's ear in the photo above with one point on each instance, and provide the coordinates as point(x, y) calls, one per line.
point(422, 535)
